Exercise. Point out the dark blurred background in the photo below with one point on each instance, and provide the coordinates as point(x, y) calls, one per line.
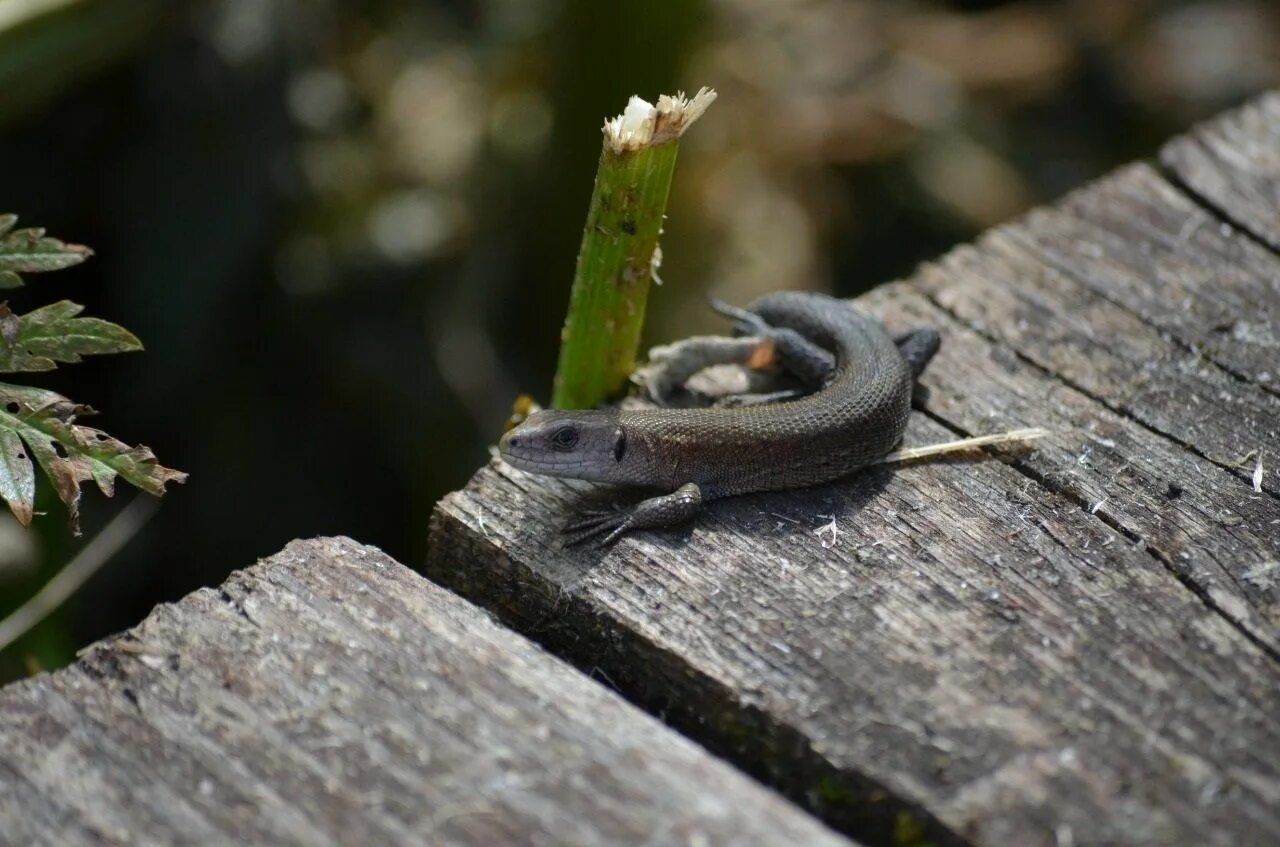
point(346, 231)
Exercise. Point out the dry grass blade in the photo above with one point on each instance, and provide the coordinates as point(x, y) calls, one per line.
point(909, 453)
point(83, 565)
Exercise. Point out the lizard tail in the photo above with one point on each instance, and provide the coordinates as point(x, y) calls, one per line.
point(918, 346)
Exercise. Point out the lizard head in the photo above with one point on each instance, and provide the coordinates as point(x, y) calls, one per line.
point(590, 445)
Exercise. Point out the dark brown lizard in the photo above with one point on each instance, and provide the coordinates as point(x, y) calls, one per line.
point(862, 380)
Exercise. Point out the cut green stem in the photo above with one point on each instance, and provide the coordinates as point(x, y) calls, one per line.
point(620, 254)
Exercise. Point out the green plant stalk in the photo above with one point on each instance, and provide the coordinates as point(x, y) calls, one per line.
point(615, 264)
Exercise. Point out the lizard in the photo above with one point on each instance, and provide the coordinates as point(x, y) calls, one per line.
point(860, 380)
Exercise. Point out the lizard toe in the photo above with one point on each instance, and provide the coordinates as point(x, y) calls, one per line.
point(607, 529)
point(590, 521)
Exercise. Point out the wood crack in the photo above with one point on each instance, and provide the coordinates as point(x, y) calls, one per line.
point(1047, 484)
point(1176, 180)
point(1208, 353)
point(1234, 470)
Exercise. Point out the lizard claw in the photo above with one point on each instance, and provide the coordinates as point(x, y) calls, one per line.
point(595, 523)
point(590, 520)
point(614, 509)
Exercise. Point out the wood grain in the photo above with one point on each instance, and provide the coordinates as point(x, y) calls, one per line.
point(1233, 164)
point(973, 651)
point(1203, 522)
point(1145, 246)
point(1023, 288)
point(331, 696)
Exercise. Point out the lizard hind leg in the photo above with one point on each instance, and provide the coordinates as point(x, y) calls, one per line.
point(794, 353)
point(663, 510)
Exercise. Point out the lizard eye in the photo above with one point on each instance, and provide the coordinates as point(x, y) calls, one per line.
point(564, 438)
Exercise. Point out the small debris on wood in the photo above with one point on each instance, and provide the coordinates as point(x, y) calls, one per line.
point(832, 528)
point(1263, 575)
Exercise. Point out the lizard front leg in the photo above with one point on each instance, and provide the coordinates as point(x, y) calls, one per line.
point(663, 510)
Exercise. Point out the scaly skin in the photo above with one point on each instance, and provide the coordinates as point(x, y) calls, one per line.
point(701, 454)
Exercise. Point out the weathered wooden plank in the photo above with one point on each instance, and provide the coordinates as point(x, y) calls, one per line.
point(970, 647)
point(330, 696)
point(1204, 523)
point(1019, 291)
point(1139, 242)
point(1233, 162)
